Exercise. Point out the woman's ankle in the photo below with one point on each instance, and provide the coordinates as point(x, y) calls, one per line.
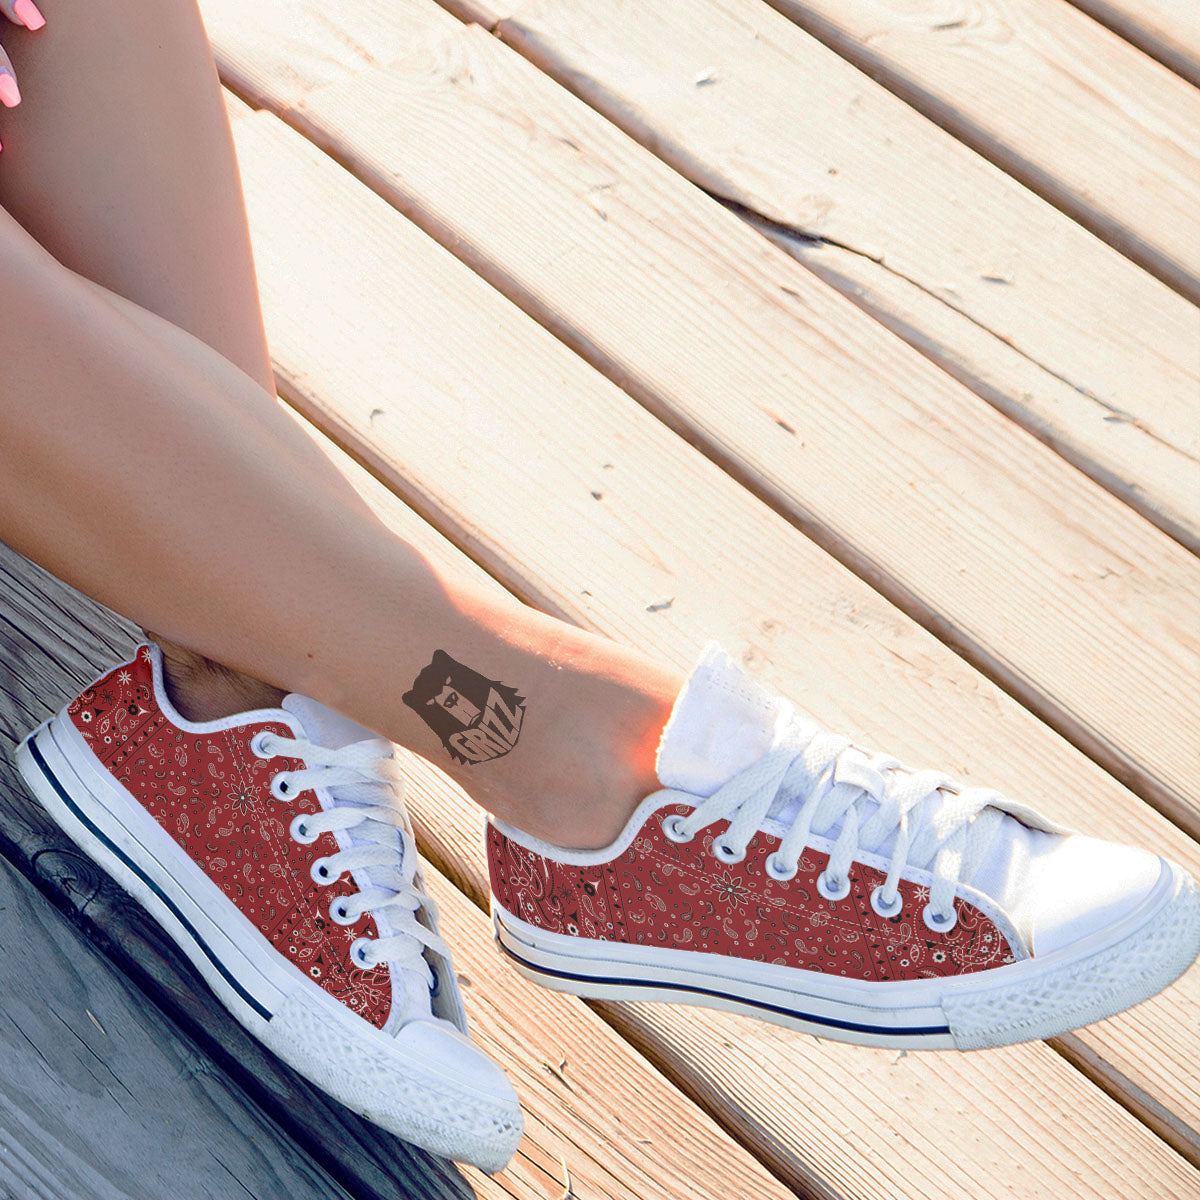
point(590, 776)
point(204, 690)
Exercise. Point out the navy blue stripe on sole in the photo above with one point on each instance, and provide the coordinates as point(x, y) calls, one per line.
point(120, 854)
point(681, 990)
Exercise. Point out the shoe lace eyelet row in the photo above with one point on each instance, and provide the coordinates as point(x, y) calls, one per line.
point(830, 888)
point(262, 746)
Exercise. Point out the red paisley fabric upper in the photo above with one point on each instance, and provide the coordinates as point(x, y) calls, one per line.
point(680, 897)
point(212, 795)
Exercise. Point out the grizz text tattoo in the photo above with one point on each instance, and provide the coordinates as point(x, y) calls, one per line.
point(476, 718)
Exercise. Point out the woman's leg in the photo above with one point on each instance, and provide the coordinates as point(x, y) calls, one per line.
point(154, 474)
point(121, 164)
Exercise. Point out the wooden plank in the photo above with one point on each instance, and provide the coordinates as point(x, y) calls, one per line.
point(597, 1116)
point(309, 44)
point(930, 494)
point(102, 1099)
point(1169, 30)
point(52, 642)
point(583, 504)
point(609, 1142)
point(1102, 131)
point(1086, 350)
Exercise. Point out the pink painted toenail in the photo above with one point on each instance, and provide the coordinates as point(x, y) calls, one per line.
point(10, 94)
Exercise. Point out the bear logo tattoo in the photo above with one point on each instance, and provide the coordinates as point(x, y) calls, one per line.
point(476, 718)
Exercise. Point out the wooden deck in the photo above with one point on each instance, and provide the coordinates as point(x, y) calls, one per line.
point(859, 334)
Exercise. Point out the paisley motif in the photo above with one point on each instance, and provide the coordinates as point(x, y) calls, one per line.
point(679, 895)
point(212, 796)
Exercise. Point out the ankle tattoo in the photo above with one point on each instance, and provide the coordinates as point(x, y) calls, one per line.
point(476, 718)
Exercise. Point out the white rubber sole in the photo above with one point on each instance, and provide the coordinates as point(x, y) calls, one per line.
point(387, 1078)
point(1023, 1001)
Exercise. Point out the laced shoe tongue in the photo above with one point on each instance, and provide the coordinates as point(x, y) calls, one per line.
point(330, 729)
point(323, 726)
point(327, 728)
point(722, 722)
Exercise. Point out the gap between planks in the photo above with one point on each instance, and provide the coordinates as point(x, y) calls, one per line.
point(1061, 103)
point(1168, 30)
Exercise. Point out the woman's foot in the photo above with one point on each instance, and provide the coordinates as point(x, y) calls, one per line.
point(783, 872)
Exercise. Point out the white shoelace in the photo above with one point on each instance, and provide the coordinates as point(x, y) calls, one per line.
point(382, 842)
point(815, 781)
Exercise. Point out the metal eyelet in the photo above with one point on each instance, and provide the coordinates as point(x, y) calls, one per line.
point(360, 954)
point(280, 788)
point(670, 827)
point(300, 831)
point(258, 744)
point(338, 913)
point(725, 852)
point(832, 889)
point(320, 872)
point(884, 909)
point(776, 868)
point(939, 922)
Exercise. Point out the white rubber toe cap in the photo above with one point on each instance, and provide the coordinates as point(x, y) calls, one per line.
point(426, 1083)
point(480, 1112)
point(441, 1048)
point(1084, 886)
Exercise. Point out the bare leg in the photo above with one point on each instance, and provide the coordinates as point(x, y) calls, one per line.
point(209, 516)
point(120, 162)
point(124, 170)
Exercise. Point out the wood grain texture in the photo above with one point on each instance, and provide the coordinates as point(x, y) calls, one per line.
point(1169, 30)
point(1064, 105)
point(1088, 351)
point(579, 501)
point(298, 45)
point(931, 495)
point(595, 1111)
point(103, 1099)
point(53, 642)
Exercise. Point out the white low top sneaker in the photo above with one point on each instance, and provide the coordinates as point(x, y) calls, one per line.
point(785, 873)
point(274, 848)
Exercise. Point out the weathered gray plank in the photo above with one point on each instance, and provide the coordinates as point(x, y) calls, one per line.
point(101, 1098)
point(52, 640)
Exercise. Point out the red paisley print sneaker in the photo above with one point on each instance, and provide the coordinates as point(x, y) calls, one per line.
point(274, 848)
point(785, 873)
